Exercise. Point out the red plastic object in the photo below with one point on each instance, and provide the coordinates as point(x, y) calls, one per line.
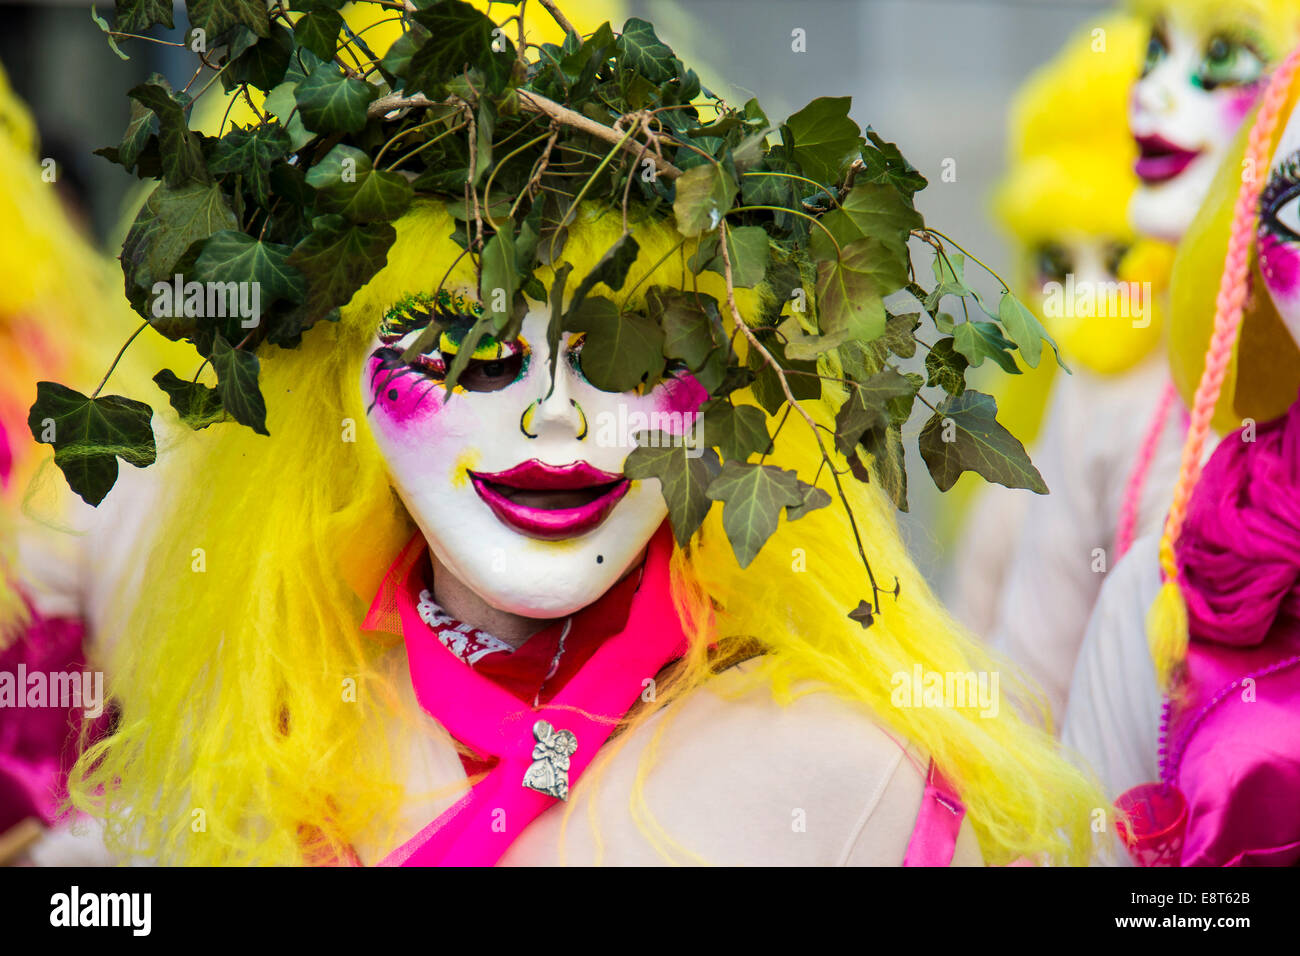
point(1157, 815)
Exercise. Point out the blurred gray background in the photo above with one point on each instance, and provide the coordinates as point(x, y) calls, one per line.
point(934, 76)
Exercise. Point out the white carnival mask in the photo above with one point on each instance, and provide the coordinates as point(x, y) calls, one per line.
point(1194, 92)
point(1279, 227)
point(518, 485)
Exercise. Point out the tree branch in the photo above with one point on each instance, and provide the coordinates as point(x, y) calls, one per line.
point(536, 103)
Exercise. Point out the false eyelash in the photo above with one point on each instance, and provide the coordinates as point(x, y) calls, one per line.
point(1282, 187)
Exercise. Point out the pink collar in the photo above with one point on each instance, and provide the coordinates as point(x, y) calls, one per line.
point(490, 720)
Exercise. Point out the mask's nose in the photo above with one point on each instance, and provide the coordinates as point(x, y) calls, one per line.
point(555, 414)
point(1154, 95)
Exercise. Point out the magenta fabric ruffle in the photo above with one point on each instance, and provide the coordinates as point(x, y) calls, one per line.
point(38, 744)
point(1235, 735)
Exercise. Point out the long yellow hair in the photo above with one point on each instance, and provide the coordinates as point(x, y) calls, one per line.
point(231, 684)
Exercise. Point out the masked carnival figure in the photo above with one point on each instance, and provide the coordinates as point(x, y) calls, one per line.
point(1064, 202)
point(1111, 445)
point(1187, 694)
point(545, 511)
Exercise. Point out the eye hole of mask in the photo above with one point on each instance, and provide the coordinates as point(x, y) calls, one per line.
point(492, 375)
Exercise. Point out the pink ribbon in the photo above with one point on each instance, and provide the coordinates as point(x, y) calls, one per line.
point(480, 827)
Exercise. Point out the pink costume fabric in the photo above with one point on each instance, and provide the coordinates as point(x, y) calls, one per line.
point(38, 744)
point(1233, 734)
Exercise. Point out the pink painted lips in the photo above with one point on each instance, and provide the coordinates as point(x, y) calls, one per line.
point(1161, 160)
point(550, 502)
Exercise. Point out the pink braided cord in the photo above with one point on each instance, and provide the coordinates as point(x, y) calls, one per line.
point(1137, 479)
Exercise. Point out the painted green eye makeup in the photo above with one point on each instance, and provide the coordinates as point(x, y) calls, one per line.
point(1228, 61)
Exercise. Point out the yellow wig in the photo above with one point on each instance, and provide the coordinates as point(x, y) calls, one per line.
point(231, 708)
point(1071, 178)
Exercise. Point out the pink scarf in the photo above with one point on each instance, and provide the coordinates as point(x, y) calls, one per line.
point(490, 720)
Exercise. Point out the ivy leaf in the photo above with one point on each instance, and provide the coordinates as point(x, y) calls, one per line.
point(752, 496)
point(480, 328)
point(800, 345)
point(281, 104)
point(852, 288)
point(1025, 330)
point(251, 152)
point(338, 258)
point(89, 435)
point(459, 37)
point(619, 352)
point(397, 60)
point(683, 473)
point(264, 63)
point(975, 442)
point(688, 327)
point(885, 164)
point(233, 256)
point(612, 269)
point(197, 405)
point(748, 248)
point(946, 367)
point(980, 340)
point(885, 446)
point(641, 50)
point(170, 221)
point(318, 31)
point(182, 152)
point(823, 137)
point(348, 184)
point(868, 407)
point(813, 499)
point(499, 275)
point(139, 128)
point(237, 373)
point(555, 325)
point(900, 338)
point(704, 194)
point(864, 614)
point(330, 102)
point(738, 431)
point(137, 16)
point(881, 211)
point(950, 274)
point(214, 17)
point(108, 31)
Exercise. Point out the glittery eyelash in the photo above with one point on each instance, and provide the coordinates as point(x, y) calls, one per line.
point(414, 311)
point(1283, 186)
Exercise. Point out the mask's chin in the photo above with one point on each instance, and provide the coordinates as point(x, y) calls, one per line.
point(568, 583)
point(1166, 210)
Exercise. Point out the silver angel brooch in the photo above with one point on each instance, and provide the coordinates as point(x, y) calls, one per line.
point(549, 772)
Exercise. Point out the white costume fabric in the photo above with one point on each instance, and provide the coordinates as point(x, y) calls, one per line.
point(1113, 720)
point(1059, 554)
point(730, 780)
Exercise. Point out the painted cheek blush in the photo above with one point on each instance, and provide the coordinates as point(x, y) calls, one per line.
point(682, 395)
point(1235, 104)
point(404, 394)
point(1279, 262)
